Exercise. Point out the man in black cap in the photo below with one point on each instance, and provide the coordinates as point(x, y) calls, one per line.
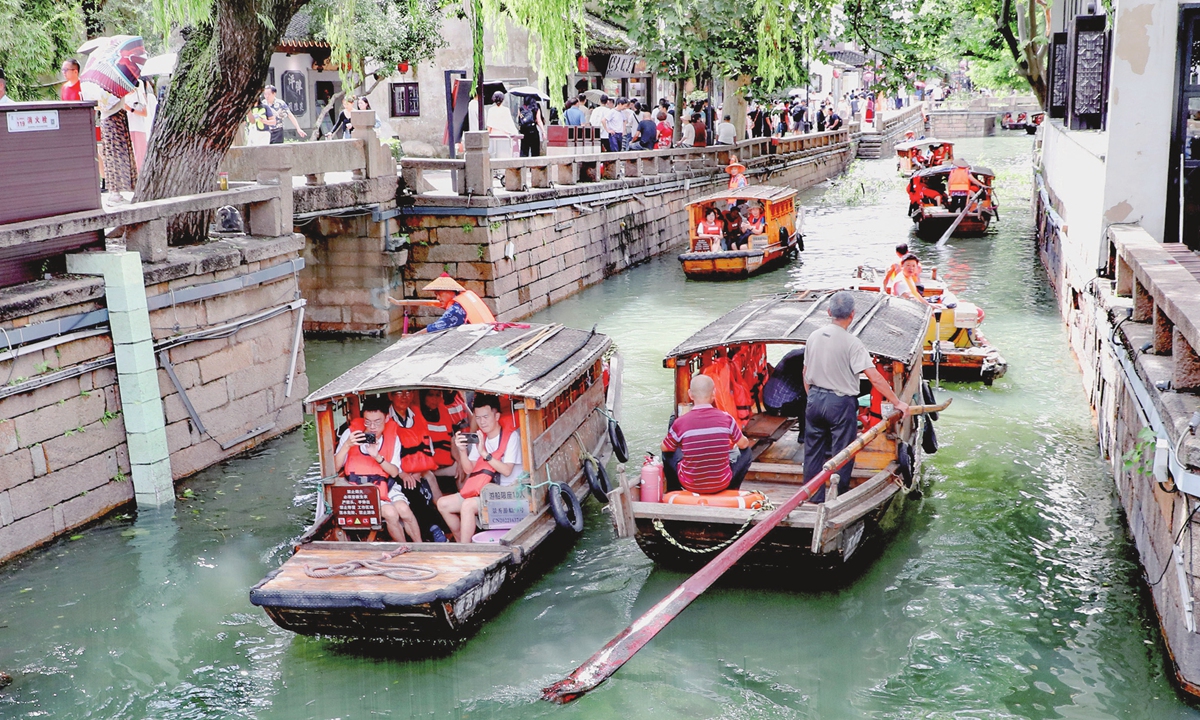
point(4, 99)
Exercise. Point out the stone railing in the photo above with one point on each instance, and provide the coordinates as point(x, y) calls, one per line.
point(145, 223)
point(896, 119)
point(474, 172)
point(362, 155)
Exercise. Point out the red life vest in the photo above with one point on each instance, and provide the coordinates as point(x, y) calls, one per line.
point(730, 395)
point(483, 473)
point(359, 464)
point(416, 447)
point(440, 435)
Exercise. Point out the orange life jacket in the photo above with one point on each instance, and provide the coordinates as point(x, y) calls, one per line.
point(730, 394)
point(477, 311)
point(439, 431)
point(960, 180)
point(458, 410)
point(889, 277)
point(483, 473)
point(359, 464)
point(416, 447)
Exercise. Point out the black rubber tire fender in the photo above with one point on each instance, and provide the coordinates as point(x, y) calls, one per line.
point(929, 441)
point(597, 479)
point(616, 436)
point(905, 463)
point(565, 508)
point(928, 398)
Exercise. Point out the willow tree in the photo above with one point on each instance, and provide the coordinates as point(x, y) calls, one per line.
point(219, 74)
point(557, 34)
point(35, 36)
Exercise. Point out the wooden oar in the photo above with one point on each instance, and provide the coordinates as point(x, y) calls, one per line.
point(962, 214)
point(617, 652)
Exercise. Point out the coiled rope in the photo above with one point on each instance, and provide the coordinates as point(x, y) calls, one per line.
point(380, 566)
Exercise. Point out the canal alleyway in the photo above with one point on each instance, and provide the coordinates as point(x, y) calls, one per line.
point(1010, 591)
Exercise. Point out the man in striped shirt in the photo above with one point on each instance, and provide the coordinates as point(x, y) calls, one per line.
point(696, 450)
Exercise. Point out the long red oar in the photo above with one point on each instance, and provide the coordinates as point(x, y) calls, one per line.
point(617, 652)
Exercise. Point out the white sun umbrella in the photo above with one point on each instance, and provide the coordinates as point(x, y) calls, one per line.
point(160, 65)
point(529, 90)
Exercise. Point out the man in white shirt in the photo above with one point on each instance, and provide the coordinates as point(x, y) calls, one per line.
point(614, 122)
point(485, 461)
point(599, 115)
point(362, 459)
point(4, 99)
point(726, 132)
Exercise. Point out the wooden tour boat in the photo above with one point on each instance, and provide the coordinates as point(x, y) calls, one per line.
point(934, 210)
point(913, 155)
point(780, 241)
point(818, 537)
point(560, 387)
point(954, 347)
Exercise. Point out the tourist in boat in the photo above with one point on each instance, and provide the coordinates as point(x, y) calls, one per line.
point(440, 426)
point(461, 305)
point(894, 269)
point(938, 154)
point(737, 173)
point(908, 283)
point(735, 238)
point(491, 455)
point(754, 224)
point(709, 233)
point(833, 360)
point(696, 450)
point(368, 453)
point(417, 463)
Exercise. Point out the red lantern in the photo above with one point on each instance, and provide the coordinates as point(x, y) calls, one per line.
point(582, 63)
point(402, 66)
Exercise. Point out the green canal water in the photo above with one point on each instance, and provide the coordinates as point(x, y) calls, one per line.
point(1010, 590)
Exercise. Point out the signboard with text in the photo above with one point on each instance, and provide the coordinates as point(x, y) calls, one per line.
point(503, 506)
point(356, 507)
point(32, 121)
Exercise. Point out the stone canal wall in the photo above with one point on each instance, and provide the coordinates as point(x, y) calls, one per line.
point(962, 123)
point(82, 426)
point(1134, 331)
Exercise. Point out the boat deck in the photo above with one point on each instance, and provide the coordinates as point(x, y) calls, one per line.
point(455, 566)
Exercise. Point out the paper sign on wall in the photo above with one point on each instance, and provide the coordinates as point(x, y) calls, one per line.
point(32, 121)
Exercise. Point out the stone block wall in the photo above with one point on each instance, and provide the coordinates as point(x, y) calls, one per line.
point(962, 123)
point(64, 460)
point(522, 263)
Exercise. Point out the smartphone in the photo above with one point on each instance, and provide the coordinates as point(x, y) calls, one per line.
point(369, 439)
point(472, 438)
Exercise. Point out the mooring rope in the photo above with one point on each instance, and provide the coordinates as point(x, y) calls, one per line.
point(380, 566)
point(767, 506)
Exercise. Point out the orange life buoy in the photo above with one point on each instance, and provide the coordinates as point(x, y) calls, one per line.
point(740, 499)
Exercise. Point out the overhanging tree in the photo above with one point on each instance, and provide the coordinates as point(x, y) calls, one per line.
point(35, 36)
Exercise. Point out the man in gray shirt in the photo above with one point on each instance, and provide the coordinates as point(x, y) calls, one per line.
point(833, 359)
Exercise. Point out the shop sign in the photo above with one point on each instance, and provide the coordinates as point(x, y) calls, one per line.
point(32, 121)
point(621, 66)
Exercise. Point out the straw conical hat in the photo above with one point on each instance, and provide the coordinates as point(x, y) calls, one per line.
point(735, 167)
point(444, 282)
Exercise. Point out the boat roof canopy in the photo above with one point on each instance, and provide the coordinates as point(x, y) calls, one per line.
point(923, 142)
point(476, 357)
point(765, 193)
point(891, 327)
point(945, 170)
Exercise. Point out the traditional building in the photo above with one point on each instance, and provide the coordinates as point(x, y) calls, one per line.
point(1118, 208)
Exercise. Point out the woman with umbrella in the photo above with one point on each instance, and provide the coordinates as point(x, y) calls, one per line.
point(113, 71)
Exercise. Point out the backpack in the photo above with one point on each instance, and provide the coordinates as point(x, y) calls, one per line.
point(525, 115)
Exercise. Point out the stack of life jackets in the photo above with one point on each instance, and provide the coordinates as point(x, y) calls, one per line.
point(731, 394)
point(416, 446)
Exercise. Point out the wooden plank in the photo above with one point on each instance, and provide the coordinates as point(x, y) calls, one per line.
point(803, 516)
point(566, 424)
point(451, 565)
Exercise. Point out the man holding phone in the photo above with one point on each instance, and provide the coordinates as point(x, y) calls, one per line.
point(491, 455)
point(368, 453)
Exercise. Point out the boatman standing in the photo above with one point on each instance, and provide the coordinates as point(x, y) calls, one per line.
point(461, 305)
point(833, 359)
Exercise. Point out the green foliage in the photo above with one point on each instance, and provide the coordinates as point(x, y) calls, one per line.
point(108, 417)
point(379, 33)
point(35, 36)
point(1141, 452)
point(557, 30)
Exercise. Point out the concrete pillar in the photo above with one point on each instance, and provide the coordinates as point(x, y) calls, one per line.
point(1185, 373)
point(1143, 303)
point(137, 371)
point(566, 173)
point(1163, 328)
point(539, 176)
point(379, 161)
point(632, 167)
point(514, 179)
point(1124, 278)
point(612, 170)
point(478, 173)
point(148, 239)
point(273, 218)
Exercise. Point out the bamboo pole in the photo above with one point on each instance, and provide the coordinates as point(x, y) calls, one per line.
point(623, 647)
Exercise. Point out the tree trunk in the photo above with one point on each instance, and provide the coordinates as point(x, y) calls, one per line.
point(220, 73)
